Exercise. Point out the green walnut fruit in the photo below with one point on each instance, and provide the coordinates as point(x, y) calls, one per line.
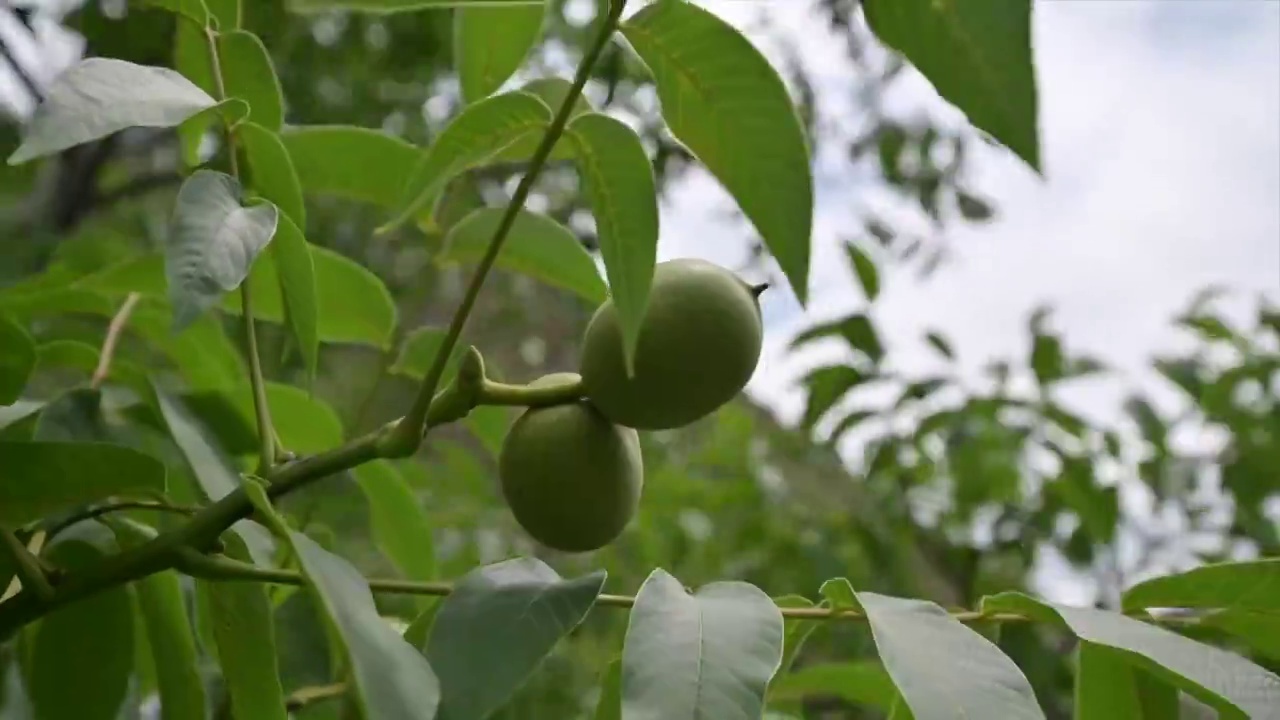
point(699, 344)
point(571, 478)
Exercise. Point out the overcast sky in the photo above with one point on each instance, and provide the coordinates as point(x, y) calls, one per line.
point(1160, 127)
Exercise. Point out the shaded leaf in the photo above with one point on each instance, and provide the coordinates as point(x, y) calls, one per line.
point(920, 645)
point(214, 472)
point(1047, 360)
point(271, 173)
point(856, 329)
point(1260, 631)
point(352, 162)
point(826, 386)
point(212, 243)
point(1108, 687)
point(797, 631)
point(1215, 676)
point(249, 76)
point(391, 681)
point(16, 361)
point(506, 618)
point(83, 652)
point(39, 478)
point(243, 630)
point(536, 246)
point(399, 524)
point(419, 351)
point(296, 272)
point(865, 270)
point(940, 344)
point(98, 96)
point(553, 91)
point(974, 208)
point(706, 655)
point(490, 42)
point(1250, 585)
point(619, 182)
point(169, 634)
point(723, 100)
point(478, 133)
point(977, 55)
point(863, 682)
point(609, 706)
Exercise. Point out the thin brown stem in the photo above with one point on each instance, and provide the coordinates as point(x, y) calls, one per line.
point(114, 330)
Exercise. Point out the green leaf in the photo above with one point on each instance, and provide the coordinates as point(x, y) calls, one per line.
point(1215, 676)
point(619, 182)
point(212, 243)
point(193, 10)
point(863, 682)
point(797, 631)
point(169, 634)
point(244, 635)
point(83, 652)
point(214, 472)
point(706, 655)
point(553, 91)
point(399, 524)
point(249, 76)
point(297, 274)
point(865, 269)
point(1047, 360)
point(920, 645)
point(1251, 585)
point(351, 162)
point(271, 173)
point(609, 706)
point(381, 6)
point(1260, 631)
point(391, 680)
point(826, 386)
point(98, 96)
point(490, 42)
point(419, 351)
point(977, 55)
point(1108, 687)
point(17, 360)
point(536, 246)
point(481, 131)
point(940, 344)
point(39, 478)
point(723, 100)
point(489, 424)
point(856, 329)
point(506, 618)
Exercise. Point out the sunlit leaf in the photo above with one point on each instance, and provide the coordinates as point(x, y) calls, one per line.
point(391, 680)
point(100, 96)
point(706, 655)
point(619, 182)
point(1215, 676)
point(16, 361)
point(478, 133)
point(490, 42)
point(723, 100)
point(506, 618)
point(397, 520)
point(536, 246)
point(212, 243)
point(39, 478)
